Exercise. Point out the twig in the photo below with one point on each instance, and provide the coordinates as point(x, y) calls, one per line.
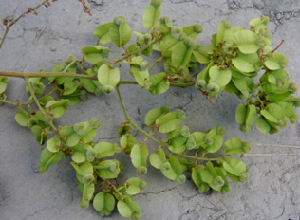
point(29, 10)
point(86, 8)
point(278, 145)
point(278, 46)
point(30, 75)
point(155, 63)
point(45, 115)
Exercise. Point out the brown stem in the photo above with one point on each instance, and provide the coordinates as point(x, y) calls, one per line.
point(86, 8)
point(278, 46)
point(29, 10)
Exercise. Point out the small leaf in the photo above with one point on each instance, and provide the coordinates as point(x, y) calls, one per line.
point(150, 16)
point(108, 76)
point(106, 149)
point(234, 166)
point(120, 35)
point(236, 146)
point(157, 159)
point(139, 156)
point(159, 85)
point(104, 203)
point(154, 114)
point(170, 121)
point(3, 83)
point(58, 108)
point(182, 54)
point(53, 144)
point(221, 77)
point(262, 125)
point(134, 186)
point(22, 117)
point(102, 32)
point(127, 142)
point(129, 209)
point(47, 159)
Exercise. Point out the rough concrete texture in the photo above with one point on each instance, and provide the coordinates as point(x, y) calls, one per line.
point(39, 42)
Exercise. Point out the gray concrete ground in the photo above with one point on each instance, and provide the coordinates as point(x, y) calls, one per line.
point(39, 42)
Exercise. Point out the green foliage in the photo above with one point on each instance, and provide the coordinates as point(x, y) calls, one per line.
point(234, 58)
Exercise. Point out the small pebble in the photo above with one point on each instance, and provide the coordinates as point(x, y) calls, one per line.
point(278, 16)
point(35, 168)
point(287, 16)
point(53, 48)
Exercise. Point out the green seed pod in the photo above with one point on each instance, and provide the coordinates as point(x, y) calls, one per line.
point(108, 89)
point(218, 182)
point(38, 87)
point(184, 131)
point(142, 170)
point(114, 168)
point(176, 31)
point(32, 122)
point(282, 122)
point(144, 65)
point(208, 139)
point(165, 167)
point(79, 128)
point(198, 28)
point(243, 177)
point(156, 3)
point(180, 178)
point(87, 179)
point(213, 87)
point(146, 39)
point(294, 118)
point(203, 188)
point(293, 87)
point(147, 86)
point(95, 123)
point(182, 36)
point(143, 185)
point(191, 143)
point(201, 84)
point(226, 188)
point(246, 147)
point(220, 130)
point(91, 154)
point(119, 20)
point(190, 42)
point(70, 59)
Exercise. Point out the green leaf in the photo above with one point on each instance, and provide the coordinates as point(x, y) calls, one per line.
point(150, 16)
point(154, 114)
point(196, 176)
point(53, 144)
point(57, 108)
point(220, 76)
point(182, 54)
point(120, 35)
point(127, 142)
point(245, 62)
point(139, 156)
point(47, 159)
point(108, 76)
point(201, 54)
point(246, 41)
point(88, 192)
point(275, 61)
point(262, 125)
point(134, 186)
point(157, 159)
point(193, 31)
point(102, 32)
point(170, 121)
point(129, 209)
point(104, 203)
point(234, 166)
point(109, 169)
point(95, 54)
point(141, 76)
point(79, 157)
point(106, 149)
point(236, 146)
point(22, 117)
point(159, 85)
point(3, 83)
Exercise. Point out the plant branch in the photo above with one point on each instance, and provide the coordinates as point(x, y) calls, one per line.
point(200, 158)
point(46, 3)
point(134, 52)
point(130, 120)
point(278, 46)
point(30, 75)
point(86, 8)
point(45, 115)
point(155, 63)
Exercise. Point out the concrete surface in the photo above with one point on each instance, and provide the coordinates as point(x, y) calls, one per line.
point(37, 42)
